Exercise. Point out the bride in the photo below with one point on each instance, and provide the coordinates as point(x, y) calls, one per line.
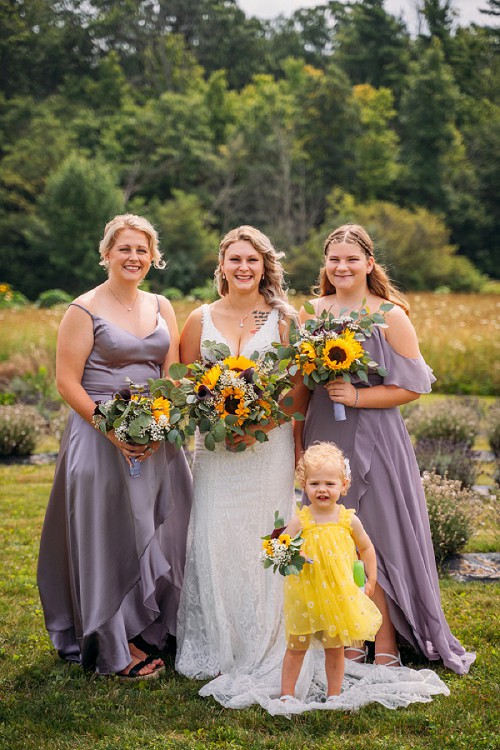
point(230, 615)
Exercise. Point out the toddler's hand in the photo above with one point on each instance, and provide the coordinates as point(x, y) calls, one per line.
point(369, 587)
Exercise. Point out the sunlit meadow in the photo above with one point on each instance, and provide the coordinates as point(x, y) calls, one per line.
point(459, 337)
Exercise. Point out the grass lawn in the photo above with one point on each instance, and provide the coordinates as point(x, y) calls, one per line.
point(46, 704)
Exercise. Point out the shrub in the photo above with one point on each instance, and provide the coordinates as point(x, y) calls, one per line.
point(173, 294)
point(53, 297)
point(493, 427)
point(7, 398)
point(205, 293)
point(57, 421)
point(452, 511)
point(20, 429)
point(454, 460)
point(36, 388)
point(453, 419)
point(10, 298)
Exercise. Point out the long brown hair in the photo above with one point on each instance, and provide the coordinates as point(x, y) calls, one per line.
point(272, 285)
point(378, 280)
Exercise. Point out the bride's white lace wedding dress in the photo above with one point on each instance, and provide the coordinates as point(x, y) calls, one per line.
point(230, 622)
point(230, 615)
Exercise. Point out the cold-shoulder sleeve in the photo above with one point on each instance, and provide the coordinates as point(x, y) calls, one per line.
point(413, 374)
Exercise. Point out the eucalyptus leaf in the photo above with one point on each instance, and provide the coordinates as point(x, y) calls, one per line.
point(219, 431)
point(261, 436)
point(209, 442)
point(308, 307)
point(204, 425)
point(177, 370)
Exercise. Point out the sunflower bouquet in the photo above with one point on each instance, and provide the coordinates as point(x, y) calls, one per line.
point(227, 396)
point(282, 552)
point(140, 415)
point(326, 348)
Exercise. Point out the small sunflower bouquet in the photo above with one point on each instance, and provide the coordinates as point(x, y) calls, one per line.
point(227, 396)
point(282, 553)
point(140, 415)
point(326, 348)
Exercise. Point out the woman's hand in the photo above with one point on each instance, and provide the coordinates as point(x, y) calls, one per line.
point(249, 437)
point(130, 450)
point(342, 392)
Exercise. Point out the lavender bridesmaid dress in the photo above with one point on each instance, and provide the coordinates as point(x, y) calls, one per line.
point(113, 547)
point(386, 493)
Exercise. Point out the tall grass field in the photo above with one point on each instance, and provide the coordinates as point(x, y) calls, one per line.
point(459, 336)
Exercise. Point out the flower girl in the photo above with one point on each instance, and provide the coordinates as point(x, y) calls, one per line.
point(323, 604)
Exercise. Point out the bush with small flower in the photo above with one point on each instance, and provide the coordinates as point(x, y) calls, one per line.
point(281, 552)
point(21, 427)
point(452, 513)
point(454, 419)
point(10, 297)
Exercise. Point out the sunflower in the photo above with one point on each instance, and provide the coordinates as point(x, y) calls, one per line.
point(340, 353)
point(284, 539)
point(307, 349)
point(232, 401)
point(238, 363)
point(211, 377)
point(268, 547)
point(160, 407)
point(265, 406)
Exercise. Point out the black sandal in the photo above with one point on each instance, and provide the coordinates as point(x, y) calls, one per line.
point(133, 673)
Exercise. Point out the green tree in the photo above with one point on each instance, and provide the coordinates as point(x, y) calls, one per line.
point(188, 242)
point(377, 146)
point(80, 197)
point(427, 117)
point(370, 45)
point(40, 43)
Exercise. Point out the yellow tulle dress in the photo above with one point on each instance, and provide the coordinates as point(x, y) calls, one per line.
point(323, 604)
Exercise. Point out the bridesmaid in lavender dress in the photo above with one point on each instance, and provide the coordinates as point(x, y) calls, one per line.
point(113, 546)
point(386, 490)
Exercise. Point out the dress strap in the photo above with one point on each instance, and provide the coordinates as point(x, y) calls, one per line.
point(305, 517)
point(75, 304)
point(157, 303)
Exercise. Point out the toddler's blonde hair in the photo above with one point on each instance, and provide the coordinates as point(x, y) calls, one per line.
point(319, 454)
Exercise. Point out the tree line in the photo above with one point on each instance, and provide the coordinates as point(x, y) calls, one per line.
point(201, 118)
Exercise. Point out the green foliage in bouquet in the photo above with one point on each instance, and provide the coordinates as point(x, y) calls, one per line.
point(281, 552)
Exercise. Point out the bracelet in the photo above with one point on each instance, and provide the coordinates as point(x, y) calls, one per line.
point(356, 399)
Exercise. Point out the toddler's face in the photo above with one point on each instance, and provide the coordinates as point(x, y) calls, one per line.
point(324, 487)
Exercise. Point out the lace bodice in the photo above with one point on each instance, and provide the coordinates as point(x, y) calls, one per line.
point(260, 342)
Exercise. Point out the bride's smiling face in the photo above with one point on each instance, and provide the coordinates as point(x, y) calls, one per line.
point(243, 266)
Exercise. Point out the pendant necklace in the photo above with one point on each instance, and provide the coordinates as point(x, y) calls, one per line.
point(129, 309)
point(243, 318)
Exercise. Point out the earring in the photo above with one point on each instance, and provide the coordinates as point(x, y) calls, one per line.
point(223, 277)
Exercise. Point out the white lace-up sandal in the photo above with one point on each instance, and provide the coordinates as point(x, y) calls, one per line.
point(361, 654)
point(394, 660)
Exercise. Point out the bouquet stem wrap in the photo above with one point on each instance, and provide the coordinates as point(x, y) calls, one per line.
point(339, 412)
point(135, 467)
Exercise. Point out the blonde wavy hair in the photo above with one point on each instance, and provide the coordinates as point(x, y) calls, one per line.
point(378, 280)
point(319, 454)
point(130, 221)
point(272, 284)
